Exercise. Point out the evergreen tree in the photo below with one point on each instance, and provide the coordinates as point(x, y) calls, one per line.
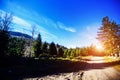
point(108, 35)
point(60, 52)
point(77, 52)
point(69, 52)
point(65, 52)
point(37, 46)
point(53, 49)
point(84, 51)
point(58, 46)
point(72, 53)
point(45, 47)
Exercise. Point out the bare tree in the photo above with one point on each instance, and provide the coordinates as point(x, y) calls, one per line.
point(32, 40)
point(5, 21)
point(33, 30)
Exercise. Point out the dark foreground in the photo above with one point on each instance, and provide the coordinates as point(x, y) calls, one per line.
point(52, 69)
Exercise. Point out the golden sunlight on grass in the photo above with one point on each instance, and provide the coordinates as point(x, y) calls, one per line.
point(111, 59)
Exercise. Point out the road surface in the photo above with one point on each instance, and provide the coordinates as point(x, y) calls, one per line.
point(96, 69)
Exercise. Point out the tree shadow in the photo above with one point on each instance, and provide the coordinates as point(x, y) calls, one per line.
point(20, 68)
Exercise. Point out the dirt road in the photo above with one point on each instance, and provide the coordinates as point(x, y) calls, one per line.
point(95, 70)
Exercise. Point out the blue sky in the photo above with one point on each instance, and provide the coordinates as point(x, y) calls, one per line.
point(72, 23)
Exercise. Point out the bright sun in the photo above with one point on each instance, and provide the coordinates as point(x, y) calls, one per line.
point(99, 47)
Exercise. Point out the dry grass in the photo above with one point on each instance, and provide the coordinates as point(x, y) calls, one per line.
point(111, 59)
point(117, 68)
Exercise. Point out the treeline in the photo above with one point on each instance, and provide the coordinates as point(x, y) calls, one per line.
point(22, 47)
point(84, 51)
point(61, 51)
point(45, 48)
point(109, 35)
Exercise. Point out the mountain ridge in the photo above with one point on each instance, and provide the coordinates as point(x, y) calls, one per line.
point(19, 34)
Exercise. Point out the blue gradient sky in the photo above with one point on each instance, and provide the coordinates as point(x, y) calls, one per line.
point(72, 23)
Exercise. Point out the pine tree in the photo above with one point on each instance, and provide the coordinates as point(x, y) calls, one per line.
point(45, 47)
point(53, 49)
point(108, 35)
point(60, 52)
point(65, 52)
point(37, 46)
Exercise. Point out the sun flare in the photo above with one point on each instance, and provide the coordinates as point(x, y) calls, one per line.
point(99, 47)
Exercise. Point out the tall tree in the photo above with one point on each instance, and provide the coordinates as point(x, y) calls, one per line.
point(5, 21)
point(77, 52)
point(37, 46)
point(65, 52)
point(45, 47)
point(108, 35)
point(60, 52)
point(53, 49)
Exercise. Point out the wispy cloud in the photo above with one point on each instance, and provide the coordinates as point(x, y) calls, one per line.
point(38, 29)
point(23, 20)
point(50, 22)
point(20, 21)
point(22, 25)
point(62, 26)
point(43, 21)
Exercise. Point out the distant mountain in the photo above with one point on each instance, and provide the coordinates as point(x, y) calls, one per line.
point(20, 35)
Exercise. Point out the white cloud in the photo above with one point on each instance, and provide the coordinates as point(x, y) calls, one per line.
point(62, 26)
point(44, 32)
point(22, 25)
point(43, 24)
point(50, 23)
point(42, 19)
point(20, 21)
